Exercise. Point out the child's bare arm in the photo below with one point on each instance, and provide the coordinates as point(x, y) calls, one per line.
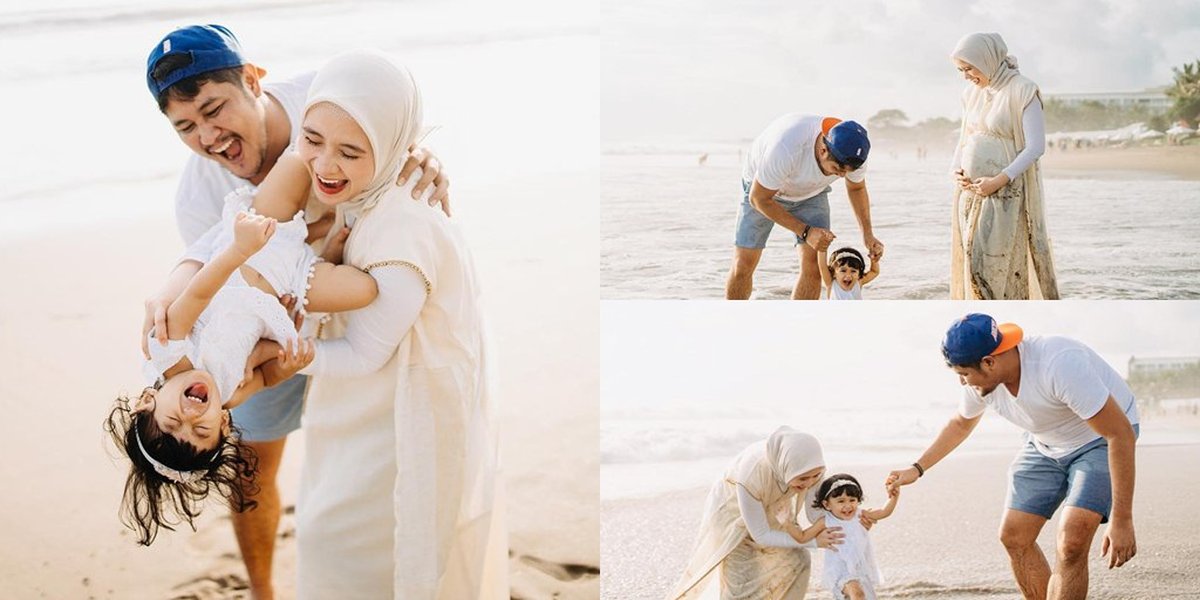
point(886, 511)
point(337, 288)
point(285, 189)
point(250, 234)
point(872, 273)
point(806, 535)
point(823, 267)
point(251, 385)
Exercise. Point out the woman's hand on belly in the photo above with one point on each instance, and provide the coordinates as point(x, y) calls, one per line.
point(986, 186)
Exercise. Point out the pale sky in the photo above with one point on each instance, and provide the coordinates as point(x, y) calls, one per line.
point(703, 69)
point(766, 354)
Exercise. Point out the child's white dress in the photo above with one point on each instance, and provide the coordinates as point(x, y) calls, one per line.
point(853, 561)
point(239, 314)
point(854, 293)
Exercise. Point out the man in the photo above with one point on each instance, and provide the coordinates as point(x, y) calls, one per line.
point(239, 126)
point(785, 180)
point(1081, 422)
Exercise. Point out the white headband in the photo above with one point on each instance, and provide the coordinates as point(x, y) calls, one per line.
point(846, 253)
point(172, 474)
point(837, 484)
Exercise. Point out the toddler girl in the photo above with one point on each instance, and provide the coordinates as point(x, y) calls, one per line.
point(850, 573)
point(846, 274)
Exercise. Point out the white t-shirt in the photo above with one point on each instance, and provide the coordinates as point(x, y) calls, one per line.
point(782, 158)
point(1063, 384)
point(205, 183)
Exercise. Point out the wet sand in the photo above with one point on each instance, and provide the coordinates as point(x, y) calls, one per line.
point(1180, 162)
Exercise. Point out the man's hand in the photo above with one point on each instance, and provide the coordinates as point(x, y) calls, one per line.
point(431, 172)
point(156, 319)
point(251, 232)
point(1120, 540)
point(830, 538)
point(819, 238)
point(895, 479)
point(874, 247)
point(291, 357)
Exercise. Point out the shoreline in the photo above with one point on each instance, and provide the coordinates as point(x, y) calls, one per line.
point(1176, 162)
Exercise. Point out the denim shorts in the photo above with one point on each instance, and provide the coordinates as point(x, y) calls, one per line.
point(1038, 484)
point(272, 413)
point(753, 228)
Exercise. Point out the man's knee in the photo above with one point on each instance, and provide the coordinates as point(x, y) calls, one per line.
point(1075, 540)
point(744, 264)
point(1017, 537)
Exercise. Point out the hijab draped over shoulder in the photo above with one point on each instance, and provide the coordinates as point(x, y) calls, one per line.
point(764, 470)
point(1000, 246)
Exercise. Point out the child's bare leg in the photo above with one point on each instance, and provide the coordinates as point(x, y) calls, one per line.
point(853, 591)
point(336, 288)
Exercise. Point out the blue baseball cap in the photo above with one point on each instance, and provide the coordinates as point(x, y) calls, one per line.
point(211, 47)
point(848, 144)
point(975, 336)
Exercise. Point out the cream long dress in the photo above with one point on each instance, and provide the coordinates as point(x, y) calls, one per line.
point(401, 495)
point(748, 571)
point(1000, 247)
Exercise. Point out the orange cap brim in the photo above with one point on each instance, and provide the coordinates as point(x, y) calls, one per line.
point(1010, 336)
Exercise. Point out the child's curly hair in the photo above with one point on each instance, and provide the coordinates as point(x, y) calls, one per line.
point(153, 500)
point(847, 486)
point(847, 256)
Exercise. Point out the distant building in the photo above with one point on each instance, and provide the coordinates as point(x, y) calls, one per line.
point(1148, 366)
point(1155, 100)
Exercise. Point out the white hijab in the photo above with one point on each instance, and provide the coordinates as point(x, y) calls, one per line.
point(382, 97)
point(988, 53)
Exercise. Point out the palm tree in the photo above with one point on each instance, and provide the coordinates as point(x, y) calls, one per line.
point(1186, 92)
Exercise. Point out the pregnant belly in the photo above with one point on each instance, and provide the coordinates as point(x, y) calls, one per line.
point(983, 156)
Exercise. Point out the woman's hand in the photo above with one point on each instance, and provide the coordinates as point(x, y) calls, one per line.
point(986, 186)
point(960, 177)
point(867, 522)
point(830, 538)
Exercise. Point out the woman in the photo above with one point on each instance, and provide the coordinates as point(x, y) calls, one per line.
point(749, 531)
point(400, 492)
point(1000, 246)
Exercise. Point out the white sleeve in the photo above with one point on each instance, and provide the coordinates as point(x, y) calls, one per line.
point(777, 165)
point(373, 332)
point(756, 523)
point(971, 405)
point(200, 197)
point(1034, 124)
point(1075, 383)
point(201, 250)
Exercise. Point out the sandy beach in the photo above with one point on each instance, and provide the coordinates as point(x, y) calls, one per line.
point(1180, 162)
point(941, 542)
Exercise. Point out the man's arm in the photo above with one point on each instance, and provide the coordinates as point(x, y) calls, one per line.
point(1112, 423)
point(763, 200)
point(157, 305)
point(861, 203)
point(953, 434)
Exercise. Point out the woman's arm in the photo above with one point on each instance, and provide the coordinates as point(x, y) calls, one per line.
point(1034, 124)
point(374, 332)
point(756, 524)
point(250, 234)
point(284, 191)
